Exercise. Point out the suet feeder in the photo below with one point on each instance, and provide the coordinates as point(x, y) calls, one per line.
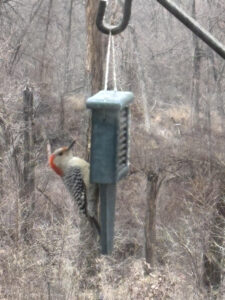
point(109, 153)
point(110, 136)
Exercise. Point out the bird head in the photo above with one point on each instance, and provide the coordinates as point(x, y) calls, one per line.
point(59, 159)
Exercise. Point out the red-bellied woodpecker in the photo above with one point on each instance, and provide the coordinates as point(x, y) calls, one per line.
point(74, 172)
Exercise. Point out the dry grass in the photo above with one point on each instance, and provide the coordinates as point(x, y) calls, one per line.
point(49, 265)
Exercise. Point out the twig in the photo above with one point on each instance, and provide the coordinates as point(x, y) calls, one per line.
point(59, 210)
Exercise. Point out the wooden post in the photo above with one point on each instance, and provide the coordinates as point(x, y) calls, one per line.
point(29, 136)
point(28, 186)
point(150, 226)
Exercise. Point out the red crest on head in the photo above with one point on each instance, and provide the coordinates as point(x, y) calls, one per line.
point(53, 166)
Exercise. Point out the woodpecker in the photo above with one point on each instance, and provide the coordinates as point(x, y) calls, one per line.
point(74, 172)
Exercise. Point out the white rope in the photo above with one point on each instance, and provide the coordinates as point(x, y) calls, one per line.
point(114, 64)
point(108, 55)
point(110, 44)
point(107, 63)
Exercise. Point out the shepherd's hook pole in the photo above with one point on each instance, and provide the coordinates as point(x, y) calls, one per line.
point(194, 26)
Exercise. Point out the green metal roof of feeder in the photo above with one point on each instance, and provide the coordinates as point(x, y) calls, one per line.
point(110, 100)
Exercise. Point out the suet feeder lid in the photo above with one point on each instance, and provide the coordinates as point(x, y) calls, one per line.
point(110, 100)
point(110, 136)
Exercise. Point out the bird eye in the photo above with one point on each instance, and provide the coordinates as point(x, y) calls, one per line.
point(60, 153)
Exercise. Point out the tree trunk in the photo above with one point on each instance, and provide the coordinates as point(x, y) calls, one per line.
point(26, 140)
point(43, 60)
point(68, 43)
point(66, 66)
point(196, 76)
point(218, 76)
point(2, 143)
point(150, 226)
point(94, 60)
point(142, 82)
point(95, 57)
point(62, 113)
point(1, 175)
point(213, 257)
point(94, 64)
point(210, 75)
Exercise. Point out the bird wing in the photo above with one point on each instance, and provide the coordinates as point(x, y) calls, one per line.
point(74, 183)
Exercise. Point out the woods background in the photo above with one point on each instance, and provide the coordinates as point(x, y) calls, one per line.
point(51, 60)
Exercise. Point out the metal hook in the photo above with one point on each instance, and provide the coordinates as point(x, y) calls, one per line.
point(106, 28)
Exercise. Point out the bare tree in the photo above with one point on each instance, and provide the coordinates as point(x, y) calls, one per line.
point(18, 46)
point(95, 54)
point(68, 46)
point(48, 20)
point(67, 64)
point(196, 74)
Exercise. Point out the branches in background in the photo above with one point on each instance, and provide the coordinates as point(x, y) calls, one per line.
point(15, 56)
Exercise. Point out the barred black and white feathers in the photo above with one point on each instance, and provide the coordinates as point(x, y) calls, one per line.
point(74, 183)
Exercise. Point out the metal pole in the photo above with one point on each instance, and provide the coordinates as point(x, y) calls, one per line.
point(107, 206)
point(194, 26)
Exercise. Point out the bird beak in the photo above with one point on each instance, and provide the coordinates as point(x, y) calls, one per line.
point(71, 145)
